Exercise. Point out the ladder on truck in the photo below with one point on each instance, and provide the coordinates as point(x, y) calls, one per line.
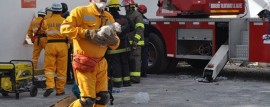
point(220, 59)
point(217, 63)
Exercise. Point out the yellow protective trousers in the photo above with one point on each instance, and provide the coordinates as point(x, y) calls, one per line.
point(37, 49)
point(56, 63)
point(92, 82)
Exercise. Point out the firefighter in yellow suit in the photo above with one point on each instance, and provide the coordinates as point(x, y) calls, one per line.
point(82, 25)
point(55, 53)
point(38, 36)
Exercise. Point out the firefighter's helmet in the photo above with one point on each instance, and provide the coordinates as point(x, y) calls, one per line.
point(56, 7)
point(65, 7)
point(41, 12)
point(48, 9)
point(142, 8)
point(113, 3)
point(129, 3)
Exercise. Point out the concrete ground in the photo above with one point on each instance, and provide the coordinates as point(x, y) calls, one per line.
point(235, 87)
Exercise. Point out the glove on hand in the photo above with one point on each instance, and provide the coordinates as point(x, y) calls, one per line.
point(111, 39)
point(92, 35)
point(134, 45)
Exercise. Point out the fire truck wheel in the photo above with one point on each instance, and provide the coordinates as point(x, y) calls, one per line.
point(157, 62)
point(200, 64)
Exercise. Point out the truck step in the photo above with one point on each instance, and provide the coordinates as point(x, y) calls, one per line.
point(238, 59)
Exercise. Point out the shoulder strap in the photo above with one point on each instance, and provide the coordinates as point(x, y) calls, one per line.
point(40, 25)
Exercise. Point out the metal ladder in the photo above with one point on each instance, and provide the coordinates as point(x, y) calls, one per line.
point(217, 63)
point(221, 58)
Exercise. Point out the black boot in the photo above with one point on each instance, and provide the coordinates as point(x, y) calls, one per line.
point(48, 92)
point(135, 80)
point(59, 94)
point(126, 83)
point(144, 75)
point(117, 84)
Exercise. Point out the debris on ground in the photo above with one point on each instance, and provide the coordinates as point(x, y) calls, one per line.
point(141, 98)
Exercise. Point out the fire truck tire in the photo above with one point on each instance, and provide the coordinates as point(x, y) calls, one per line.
point(200, 64)
point(158, 61)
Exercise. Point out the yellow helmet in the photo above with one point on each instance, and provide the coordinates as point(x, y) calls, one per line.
point(113, 3)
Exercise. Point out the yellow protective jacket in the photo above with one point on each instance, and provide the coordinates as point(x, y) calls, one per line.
point(34, 27)
point(80, 20)
point(52, 26)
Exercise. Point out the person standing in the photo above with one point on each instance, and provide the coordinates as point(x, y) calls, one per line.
point(55, 53)
point(143, 9)
point(38, 36)
point(89, 49)
point(118, 59)
point(70, 74)
point(136, 39)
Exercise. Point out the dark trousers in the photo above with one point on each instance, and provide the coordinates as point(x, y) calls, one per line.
point(119, 67)
point(70, 74)
point(144, 57)
point(135, 64)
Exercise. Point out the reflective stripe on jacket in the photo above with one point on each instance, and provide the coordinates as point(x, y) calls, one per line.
point(136, 19)
point(52, 27)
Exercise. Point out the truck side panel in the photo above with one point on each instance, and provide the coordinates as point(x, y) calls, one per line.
point(259, 41)
point(168, 33)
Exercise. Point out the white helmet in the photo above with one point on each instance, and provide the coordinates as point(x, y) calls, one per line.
point(48, 8)
point(56, 7)
point(41, 12)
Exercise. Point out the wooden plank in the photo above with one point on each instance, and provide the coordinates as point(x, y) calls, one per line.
point(39, 71)
point(65, 102)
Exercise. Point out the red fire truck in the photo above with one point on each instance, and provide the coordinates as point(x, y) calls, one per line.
point(187, 33)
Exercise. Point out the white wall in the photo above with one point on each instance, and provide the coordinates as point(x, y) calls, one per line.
point(14, 24)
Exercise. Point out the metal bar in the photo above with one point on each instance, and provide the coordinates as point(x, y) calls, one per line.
point(194, 57)
point(217, 63)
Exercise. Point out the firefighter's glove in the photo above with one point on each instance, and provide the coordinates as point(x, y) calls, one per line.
point(111, 39)
point(134, 45)
point(92, 35)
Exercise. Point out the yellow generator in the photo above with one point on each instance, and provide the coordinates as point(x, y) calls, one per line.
point(17, 76)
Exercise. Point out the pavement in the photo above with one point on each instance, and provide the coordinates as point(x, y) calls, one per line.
point(235, 87)
point(26, 100)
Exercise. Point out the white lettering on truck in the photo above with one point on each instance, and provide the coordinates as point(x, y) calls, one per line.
point(226, 5)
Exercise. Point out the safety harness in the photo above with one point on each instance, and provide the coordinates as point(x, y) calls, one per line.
point(40, 35)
